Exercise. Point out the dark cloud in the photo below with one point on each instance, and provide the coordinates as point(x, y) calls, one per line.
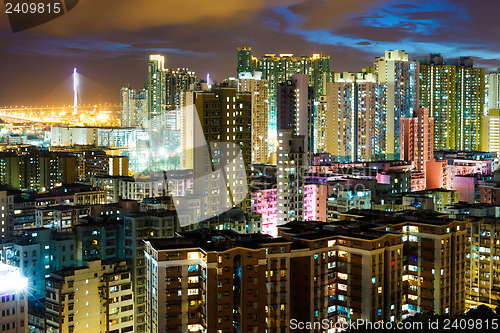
point(380, 34)
point(110, 41)
point(318, 13)
point(426, 15)
point(404, 6)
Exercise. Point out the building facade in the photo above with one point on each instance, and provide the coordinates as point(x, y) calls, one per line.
point(453, 91)
point(401, 78)
point(358, 118)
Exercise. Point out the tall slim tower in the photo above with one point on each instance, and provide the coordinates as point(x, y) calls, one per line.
point(259, 89)
point(290, 176)
point(75, 91)
point(295, 109)
point(494, 90)
point(417, 143)
point(156, 91)
point(401, 78)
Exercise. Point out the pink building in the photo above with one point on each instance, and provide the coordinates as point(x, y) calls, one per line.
point(264, 202)
point(436, 174)
point(417, 145)
point(469, 167)
point(315, 202)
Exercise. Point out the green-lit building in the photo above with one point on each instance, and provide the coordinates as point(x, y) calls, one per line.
point(278, 69)
point(453, 91)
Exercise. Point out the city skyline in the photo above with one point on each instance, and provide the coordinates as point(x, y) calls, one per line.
point(205, 41)
point(318, 166)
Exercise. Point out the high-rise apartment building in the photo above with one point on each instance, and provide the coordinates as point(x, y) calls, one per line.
point(280, 68)
point(357, 118)
point(292, 162)
point(196, 286)
point(494, 90)
point(321, 123)
point(401, 79)
point(482, 280)
point(97, 297)
point(259, 89)
point(434, 259)
point(245, 60)
point(31, 168)
point(137, 228)
point(490, 132)
point(255, 283)
point(217, 142)
point(296, 109)
point(315, 202)
point(134, 106)
point(165, 88)
point(176, 82)
point(417, 139)
point(453, 91)
point(156, 91)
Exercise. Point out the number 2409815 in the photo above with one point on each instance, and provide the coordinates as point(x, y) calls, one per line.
point(33, 8)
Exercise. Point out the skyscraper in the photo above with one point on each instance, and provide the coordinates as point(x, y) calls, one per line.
point(417, 139)
point(259, 89)
point(290, 176)
point(401, 79)
point(357, 119)
point(165, 87)
point(280, 68)
point(134, 106)
point(222, 164)
point(245, 61)
point(490, 132)
point(156, 91)
point(494, 90)
point(295, 109)
point(453, 91)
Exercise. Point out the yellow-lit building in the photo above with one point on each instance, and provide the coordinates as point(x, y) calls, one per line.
point(95, 298)
point(259, 90)
point(482, 274)
point(490, 132)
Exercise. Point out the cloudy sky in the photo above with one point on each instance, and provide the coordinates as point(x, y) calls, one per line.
point(110, 40)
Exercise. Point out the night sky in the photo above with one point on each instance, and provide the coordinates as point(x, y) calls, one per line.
point(110, 40)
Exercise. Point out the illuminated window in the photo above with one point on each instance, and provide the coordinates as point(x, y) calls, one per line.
point(379, 290)
point(342, 276)
point(342, 287)
point(193, 279)
point(343, 254)
point(193, 255)
point(192, 292)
